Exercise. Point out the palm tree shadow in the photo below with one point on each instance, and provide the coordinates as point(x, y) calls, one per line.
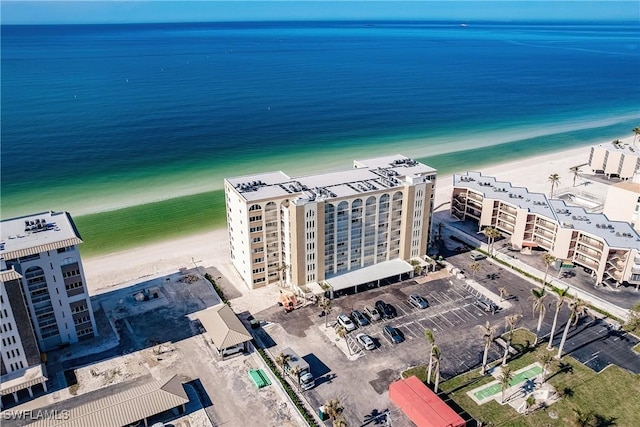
point(562, 368)
point(601, 421)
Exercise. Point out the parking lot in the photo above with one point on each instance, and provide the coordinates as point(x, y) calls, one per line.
point(360, 378)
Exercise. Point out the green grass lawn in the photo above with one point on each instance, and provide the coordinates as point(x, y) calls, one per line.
point(613, 394)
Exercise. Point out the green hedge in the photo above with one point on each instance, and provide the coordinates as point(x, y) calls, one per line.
point(292, 394)
point(217, 288)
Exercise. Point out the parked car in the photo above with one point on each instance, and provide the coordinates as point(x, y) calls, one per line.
point(366, 341)
point(393, 334)
point(345, 322)
point(372, 312)
point(358, 318)
point(417, 301)
point(477, 256)
point(486, 305)
point(385, 310)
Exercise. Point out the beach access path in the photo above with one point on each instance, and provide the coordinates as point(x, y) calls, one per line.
point(107, 272)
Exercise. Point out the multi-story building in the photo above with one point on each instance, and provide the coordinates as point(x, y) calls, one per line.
point(615, 160)
point(623, 202)
point(610, 249)
point(42, 252)
point(342, 229)
point(20, 356)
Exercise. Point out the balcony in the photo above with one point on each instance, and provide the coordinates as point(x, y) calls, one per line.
point(586, 262)
point(551, 226)
point(543, 232)
point(591, 242)
point(474, 196)
point(588, 252)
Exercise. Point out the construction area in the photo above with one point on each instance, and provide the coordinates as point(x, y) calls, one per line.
point(150, 331)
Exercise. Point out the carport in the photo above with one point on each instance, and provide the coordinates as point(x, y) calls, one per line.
point(226, 331)
point(395, 270)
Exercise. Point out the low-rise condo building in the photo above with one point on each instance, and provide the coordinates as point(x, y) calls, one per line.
point(40, 253)
point(615, 160)
point(623, 202)
point(610, 249)
point(341, 229)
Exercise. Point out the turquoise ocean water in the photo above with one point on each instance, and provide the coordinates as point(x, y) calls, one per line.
point(100, 117)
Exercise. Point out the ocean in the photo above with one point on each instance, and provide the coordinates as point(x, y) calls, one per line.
point(132, 128)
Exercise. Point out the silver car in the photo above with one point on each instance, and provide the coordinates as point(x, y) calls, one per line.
point(346, 323)
point(372, 313)
point(366, 341)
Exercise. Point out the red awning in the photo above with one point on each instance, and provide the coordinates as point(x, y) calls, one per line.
point(423, 406)
point(529, 244)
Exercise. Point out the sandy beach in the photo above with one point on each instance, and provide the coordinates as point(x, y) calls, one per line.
point(211, 248)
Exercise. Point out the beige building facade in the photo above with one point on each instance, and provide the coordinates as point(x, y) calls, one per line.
point(317, 228)
point(623, 202)
point(615, 160)
point(610, 249)
point(43, 250)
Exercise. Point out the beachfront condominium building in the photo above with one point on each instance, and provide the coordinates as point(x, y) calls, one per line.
point(340, 229)
point(623, 202)
point(609, 249)
point(40, 253)
point(615, 160)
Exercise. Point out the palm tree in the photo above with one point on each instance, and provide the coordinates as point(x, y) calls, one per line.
point(576, 173)
point(282, 359)
point(435, 354)
point(636, 131)
point(333, 408)
point(503, 292)
point(283, 267)
point(487, 333)
point(325, 305)
point(431, 339)
point(562, 298)
point(554, 179)
point(538, 297)
point(340, 422)
point(548, 259)
point(342, 333)
point(545, 360)
point(577, 309)
point(510, 322)
point(582, 419)
point(505, 378)
point(530, 402)
point(295, 374)
point(491, 234)
point(475, 267)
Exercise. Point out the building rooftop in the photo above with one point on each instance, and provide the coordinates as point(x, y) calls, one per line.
point(624, 147)
point(629, 186)
point(617, 234)
point(36, 233)
point(500, 190)
point(366, 176)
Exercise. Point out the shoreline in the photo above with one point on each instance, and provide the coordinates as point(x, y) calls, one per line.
point(210, 248)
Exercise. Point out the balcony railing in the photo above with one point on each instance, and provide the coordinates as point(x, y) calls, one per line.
point(591, 242)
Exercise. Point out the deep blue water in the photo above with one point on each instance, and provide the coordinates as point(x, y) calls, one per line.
point(101, 111)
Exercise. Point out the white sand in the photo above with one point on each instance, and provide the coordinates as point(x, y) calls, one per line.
point(212, 248)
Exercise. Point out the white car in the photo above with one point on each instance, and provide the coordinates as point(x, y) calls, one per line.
point(366, 341)
point(346, 323)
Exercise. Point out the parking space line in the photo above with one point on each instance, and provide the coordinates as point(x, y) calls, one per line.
point(437, 326)
point(436, 298)
point(441, 315)
point(445, 296)
point(454, 312)
point(406, 326)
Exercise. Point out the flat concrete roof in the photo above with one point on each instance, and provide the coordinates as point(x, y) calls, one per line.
point(371, 273)
point(617, 234)
point(367, 176)
point(501, 190)
point(36, 233)
point(629, 186)
point(625, 148)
